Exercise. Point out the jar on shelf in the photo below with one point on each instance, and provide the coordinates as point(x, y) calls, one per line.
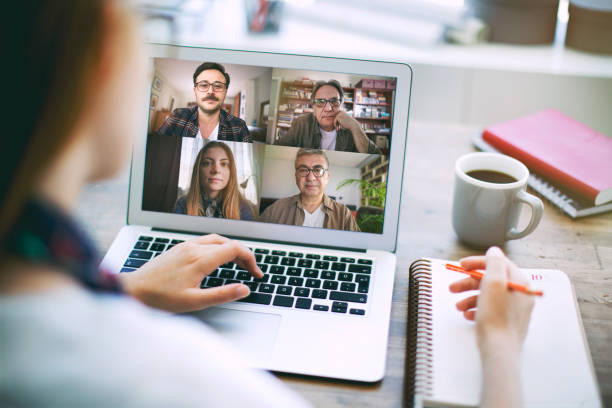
point(517, 21)
point(589, 27)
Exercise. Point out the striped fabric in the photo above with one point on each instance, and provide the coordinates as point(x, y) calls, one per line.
point(43, 234)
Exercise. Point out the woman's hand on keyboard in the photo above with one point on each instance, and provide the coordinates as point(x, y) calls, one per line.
point(171, 281)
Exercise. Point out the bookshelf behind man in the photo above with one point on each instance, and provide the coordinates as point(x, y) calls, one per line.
point(370, 102)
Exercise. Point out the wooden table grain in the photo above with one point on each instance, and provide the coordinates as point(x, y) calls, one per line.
point(582, 248)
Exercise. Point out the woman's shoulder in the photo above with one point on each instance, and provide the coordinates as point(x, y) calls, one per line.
point(181, 205)
point(246, 210)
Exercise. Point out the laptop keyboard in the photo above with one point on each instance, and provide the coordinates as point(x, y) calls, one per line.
point(324, 283)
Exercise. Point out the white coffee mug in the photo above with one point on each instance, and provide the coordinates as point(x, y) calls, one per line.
point(486, 208)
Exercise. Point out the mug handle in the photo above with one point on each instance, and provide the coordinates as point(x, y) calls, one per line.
point(537, 208)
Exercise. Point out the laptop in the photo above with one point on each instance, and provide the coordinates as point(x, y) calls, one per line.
point(323, 306)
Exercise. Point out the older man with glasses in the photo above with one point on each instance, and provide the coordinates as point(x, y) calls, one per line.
point(207, 120)
point(311, 207)
point(329, 127)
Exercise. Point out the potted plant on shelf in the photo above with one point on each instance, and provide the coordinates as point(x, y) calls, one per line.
point(370, 217)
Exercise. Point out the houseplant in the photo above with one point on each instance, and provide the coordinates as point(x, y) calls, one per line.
point(370, 217)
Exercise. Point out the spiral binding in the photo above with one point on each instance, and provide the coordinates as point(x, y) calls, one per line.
point(419, 350)
point(554, 195)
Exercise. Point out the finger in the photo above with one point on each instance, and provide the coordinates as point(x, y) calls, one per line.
point(223, 253)
point(517, 275)
point(497, 265)
point(474, 262)
point(211, 239)
point(470, 314)
point(243, 257)
point(201, 298)
point(467, 303)
point(464, 284)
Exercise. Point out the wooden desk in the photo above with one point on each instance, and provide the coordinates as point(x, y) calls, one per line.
point(581, 248)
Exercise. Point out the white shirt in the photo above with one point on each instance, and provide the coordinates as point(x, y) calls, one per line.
point(73, 348)
point(213, 135)
point(316, 219)
point(328, 139)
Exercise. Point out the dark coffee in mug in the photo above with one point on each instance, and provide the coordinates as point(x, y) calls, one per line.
point(491, 176)
point(488, 198)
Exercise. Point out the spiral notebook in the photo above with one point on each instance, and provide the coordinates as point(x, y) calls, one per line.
point(442, 356)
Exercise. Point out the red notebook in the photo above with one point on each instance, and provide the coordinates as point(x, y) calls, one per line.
point(560, 149)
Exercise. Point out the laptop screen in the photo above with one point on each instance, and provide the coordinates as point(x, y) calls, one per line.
point(268, 144)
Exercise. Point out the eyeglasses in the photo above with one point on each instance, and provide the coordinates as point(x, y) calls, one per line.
point(203, 86)
point(304, 171)
point(321, 102)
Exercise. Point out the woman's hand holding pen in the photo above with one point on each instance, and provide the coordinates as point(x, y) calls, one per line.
point(172, 280)
point(496, 309)
point(502, 318)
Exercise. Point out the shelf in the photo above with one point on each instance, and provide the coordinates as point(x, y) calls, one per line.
point(372, 104)
point(373, 168)
point(298, 84)
point(365, 117)
point(376, 89)
point(306, 30)
point(374, 172)
point(295, 99)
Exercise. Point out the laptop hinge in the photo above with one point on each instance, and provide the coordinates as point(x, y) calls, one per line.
point(268, 241)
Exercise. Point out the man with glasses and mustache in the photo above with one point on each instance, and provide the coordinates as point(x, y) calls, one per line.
point(207, 119)
point(311, 207)
point(329, 127)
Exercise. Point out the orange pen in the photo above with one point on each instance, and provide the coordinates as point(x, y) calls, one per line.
point(511, 285)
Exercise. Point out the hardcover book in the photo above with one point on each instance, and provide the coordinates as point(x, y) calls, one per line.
point(561, 149)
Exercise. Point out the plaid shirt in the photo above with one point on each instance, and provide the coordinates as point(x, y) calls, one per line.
point(183, 122)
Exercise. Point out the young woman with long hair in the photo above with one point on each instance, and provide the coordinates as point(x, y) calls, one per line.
point(73, 336)
point(213, 191)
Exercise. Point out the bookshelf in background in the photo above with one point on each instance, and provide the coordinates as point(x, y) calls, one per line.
point(372, 106)
point(370, 103)
point(374, 172)
point(294, 100)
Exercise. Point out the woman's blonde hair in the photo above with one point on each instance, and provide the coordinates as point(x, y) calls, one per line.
point(231, 196)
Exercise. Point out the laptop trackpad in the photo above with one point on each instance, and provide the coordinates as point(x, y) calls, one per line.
point(252, 331)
